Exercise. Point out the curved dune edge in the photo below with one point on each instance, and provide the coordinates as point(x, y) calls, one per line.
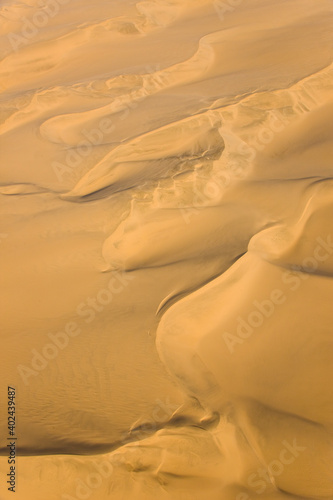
point(250, 109)
point(210, 359)
point(188, 140)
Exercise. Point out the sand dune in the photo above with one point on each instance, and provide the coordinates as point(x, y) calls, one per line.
point(165, 149)
point(166, 200)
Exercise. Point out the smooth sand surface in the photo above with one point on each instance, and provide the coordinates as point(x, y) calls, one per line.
point(167, 248)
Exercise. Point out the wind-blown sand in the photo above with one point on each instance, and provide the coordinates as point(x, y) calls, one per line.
point(167, 249)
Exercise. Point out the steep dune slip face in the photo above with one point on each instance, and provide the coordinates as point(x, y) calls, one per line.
point(167, 247)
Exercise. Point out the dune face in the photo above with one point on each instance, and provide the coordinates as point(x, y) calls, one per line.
point(167, 249)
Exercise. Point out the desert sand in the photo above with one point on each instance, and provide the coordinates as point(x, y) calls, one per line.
point(167, 249)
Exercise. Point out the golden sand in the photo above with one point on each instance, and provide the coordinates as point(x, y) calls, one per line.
point(167, 249)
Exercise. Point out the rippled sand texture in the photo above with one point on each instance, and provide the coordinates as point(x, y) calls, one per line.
point(167, 248)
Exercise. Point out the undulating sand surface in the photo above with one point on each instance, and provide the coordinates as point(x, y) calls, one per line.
point(167, 249)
